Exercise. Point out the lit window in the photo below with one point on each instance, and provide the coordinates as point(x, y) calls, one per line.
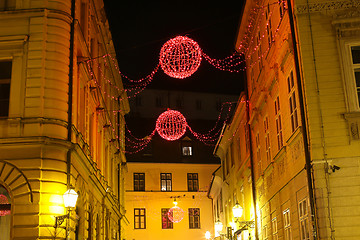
point(166, 182)
point(304, 220)
point(5, 77)
point(139, 181)
point(194, 218)
point(166, 223)
point(139, 218)
point(186, 148)
point(287, 224)
point(193, 182)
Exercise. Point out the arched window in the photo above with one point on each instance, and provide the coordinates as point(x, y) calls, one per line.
point(5, 213)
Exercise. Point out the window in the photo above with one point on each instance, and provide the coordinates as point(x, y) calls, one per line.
point(5, 77)
point(278, 124)
point(166, 223)
point(267, 139)
point(355, 55)
point(304, 220)
point(194, 218)
point(5, 213)
point(166, 182)
point(139, 181)
point(193, 182)
point(265, 233)
point(287, 224)
point(139, 218)
point(258, 152)
point(186, 148)
point(268, 27)
point(292, 102)
point(274, 228)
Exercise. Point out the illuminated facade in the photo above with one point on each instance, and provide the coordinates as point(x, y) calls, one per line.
point(56, 129)
point(290, 156)
point(151, 189)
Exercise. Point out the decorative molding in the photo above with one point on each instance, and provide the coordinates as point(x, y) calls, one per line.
point(15, 179)
point(327, 6)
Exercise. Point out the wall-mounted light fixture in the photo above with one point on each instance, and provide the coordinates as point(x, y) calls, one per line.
point(70, 197)
point(237, 213)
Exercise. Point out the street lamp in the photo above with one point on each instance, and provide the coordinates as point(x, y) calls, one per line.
point(237, 213)
point(218, 226)
point(207, 235)
point(70, 197)
point(237, 210)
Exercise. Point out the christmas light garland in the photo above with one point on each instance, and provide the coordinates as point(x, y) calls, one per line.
point(179, 57)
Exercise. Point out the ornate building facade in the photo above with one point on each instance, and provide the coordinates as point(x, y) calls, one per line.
point(290, 156)
point(59, 90)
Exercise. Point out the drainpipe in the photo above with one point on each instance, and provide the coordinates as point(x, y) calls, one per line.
point(253, 185)
point(308, 165)
point(70, 92)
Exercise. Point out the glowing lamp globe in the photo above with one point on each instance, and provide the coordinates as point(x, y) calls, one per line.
point(180, 57)
point(171, 125)
point(70, 198)
point(237, 210)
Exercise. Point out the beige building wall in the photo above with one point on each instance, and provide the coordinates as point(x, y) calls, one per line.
point(42, 150)
point(153, 200)
point(326, 32)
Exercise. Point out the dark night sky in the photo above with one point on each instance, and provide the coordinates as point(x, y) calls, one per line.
point(140, 28)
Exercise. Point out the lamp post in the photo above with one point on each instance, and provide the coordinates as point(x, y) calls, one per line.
point(70, 197)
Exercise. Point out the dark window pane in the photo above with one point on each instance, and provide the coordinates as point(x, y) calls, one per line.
point(355, 52)
point(5, 70)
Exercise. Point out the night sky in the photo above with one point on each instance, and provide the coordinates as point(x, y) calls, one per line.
point(140, 28)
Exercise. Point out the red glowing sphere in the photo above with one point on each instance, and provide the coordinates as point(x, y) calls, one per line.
point(180, 57)
point(175, 214)
point(171, 125)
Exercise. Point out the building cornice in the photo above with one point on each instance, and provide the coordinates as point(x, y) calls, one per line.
point(327, 6)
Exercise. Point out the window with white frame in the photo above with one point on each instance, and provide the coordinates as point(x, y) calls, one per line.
point(258, 151)
point(274, 228)
point(304, 220)
point(287, 224)
point(139, 218)
point(278, 122)
point(292, 102)
point(267, 139)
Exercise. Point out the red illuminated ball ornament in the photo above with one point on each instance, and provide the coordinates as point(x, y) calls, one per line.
point(171, 125)
point(180, 57)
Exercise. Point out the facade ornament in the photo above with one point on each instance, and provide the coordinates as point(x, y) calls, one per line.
point(327, 7)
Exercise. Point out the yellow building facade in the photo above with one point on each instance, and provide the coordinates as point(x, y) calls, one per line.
point(290, 154)
point(56, 128)
point(151, 189)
